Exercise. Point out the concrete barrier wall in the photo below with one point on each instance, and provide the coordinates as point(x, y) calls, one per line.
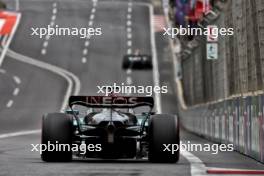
point(239, 121)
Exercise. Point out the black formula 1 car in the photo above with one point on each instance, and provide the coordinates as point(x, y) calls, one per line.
point(137, 62)
point(110, 127)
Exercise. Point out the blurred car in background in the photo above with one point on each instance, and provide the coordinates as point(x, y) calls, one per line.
point(137, 61)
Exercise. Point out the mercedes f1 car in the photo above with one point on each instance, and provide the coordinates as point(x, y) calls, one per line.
point(125, 127)
point(137, 62)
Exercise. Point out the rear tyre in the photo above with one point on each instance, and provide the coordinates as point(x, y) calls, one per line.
point(57, 129)
point(163, 129)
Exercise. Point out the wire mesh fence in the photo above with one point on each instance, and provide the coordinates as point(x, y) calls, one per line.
point(239, 68)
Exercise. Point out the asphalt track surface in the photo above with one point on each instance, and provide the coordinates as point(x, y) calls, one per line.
point(28, 91)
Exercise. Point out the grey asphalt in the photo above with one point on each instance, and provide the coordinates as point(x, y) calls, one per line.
point(42, 91)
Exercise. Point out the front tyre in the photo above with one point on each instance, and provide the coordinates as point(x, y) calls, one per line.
point(57, 129)
point(163, 129)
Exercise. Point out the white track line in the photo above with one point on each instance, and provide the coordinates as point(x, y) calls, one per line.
point(90, 23)
point(17, 79)
point(129, 23)
point(197, 166)
point(64, 73)
point(129, 9)
point(85, 51)
point(9, 103)
point(129, 43)
point(129, 80)
point(53, 17)
point(129, 30)
point(129, 51)
point(129, 35)
point(54, 11)
point(92, 17)
point(43, 51)
point(45, 44)
point(2, 71)
point(69, 77)
point(154, 60)
point(52, 23)
point(21, 133)
point(54, 5)
point(87, 43)
point(16, 91)
point(47, 37)
point(84, 60)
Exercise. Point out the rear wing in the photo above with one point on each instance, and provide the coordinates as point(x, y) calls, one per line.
point(111, 101)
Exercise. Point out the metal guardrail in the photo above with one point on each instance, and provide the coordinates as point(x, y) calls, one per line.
point(239, 121)
point(240, 66)
point(225, 97)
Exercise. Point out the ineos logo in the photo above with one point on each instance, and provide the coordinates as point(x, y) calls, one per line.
point(111, 100)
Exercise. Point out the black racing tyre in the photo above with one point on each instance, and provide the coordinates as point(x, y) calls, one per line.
point(163, 129)
point(126, 63)
point(149, 64)
point(57, 128)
